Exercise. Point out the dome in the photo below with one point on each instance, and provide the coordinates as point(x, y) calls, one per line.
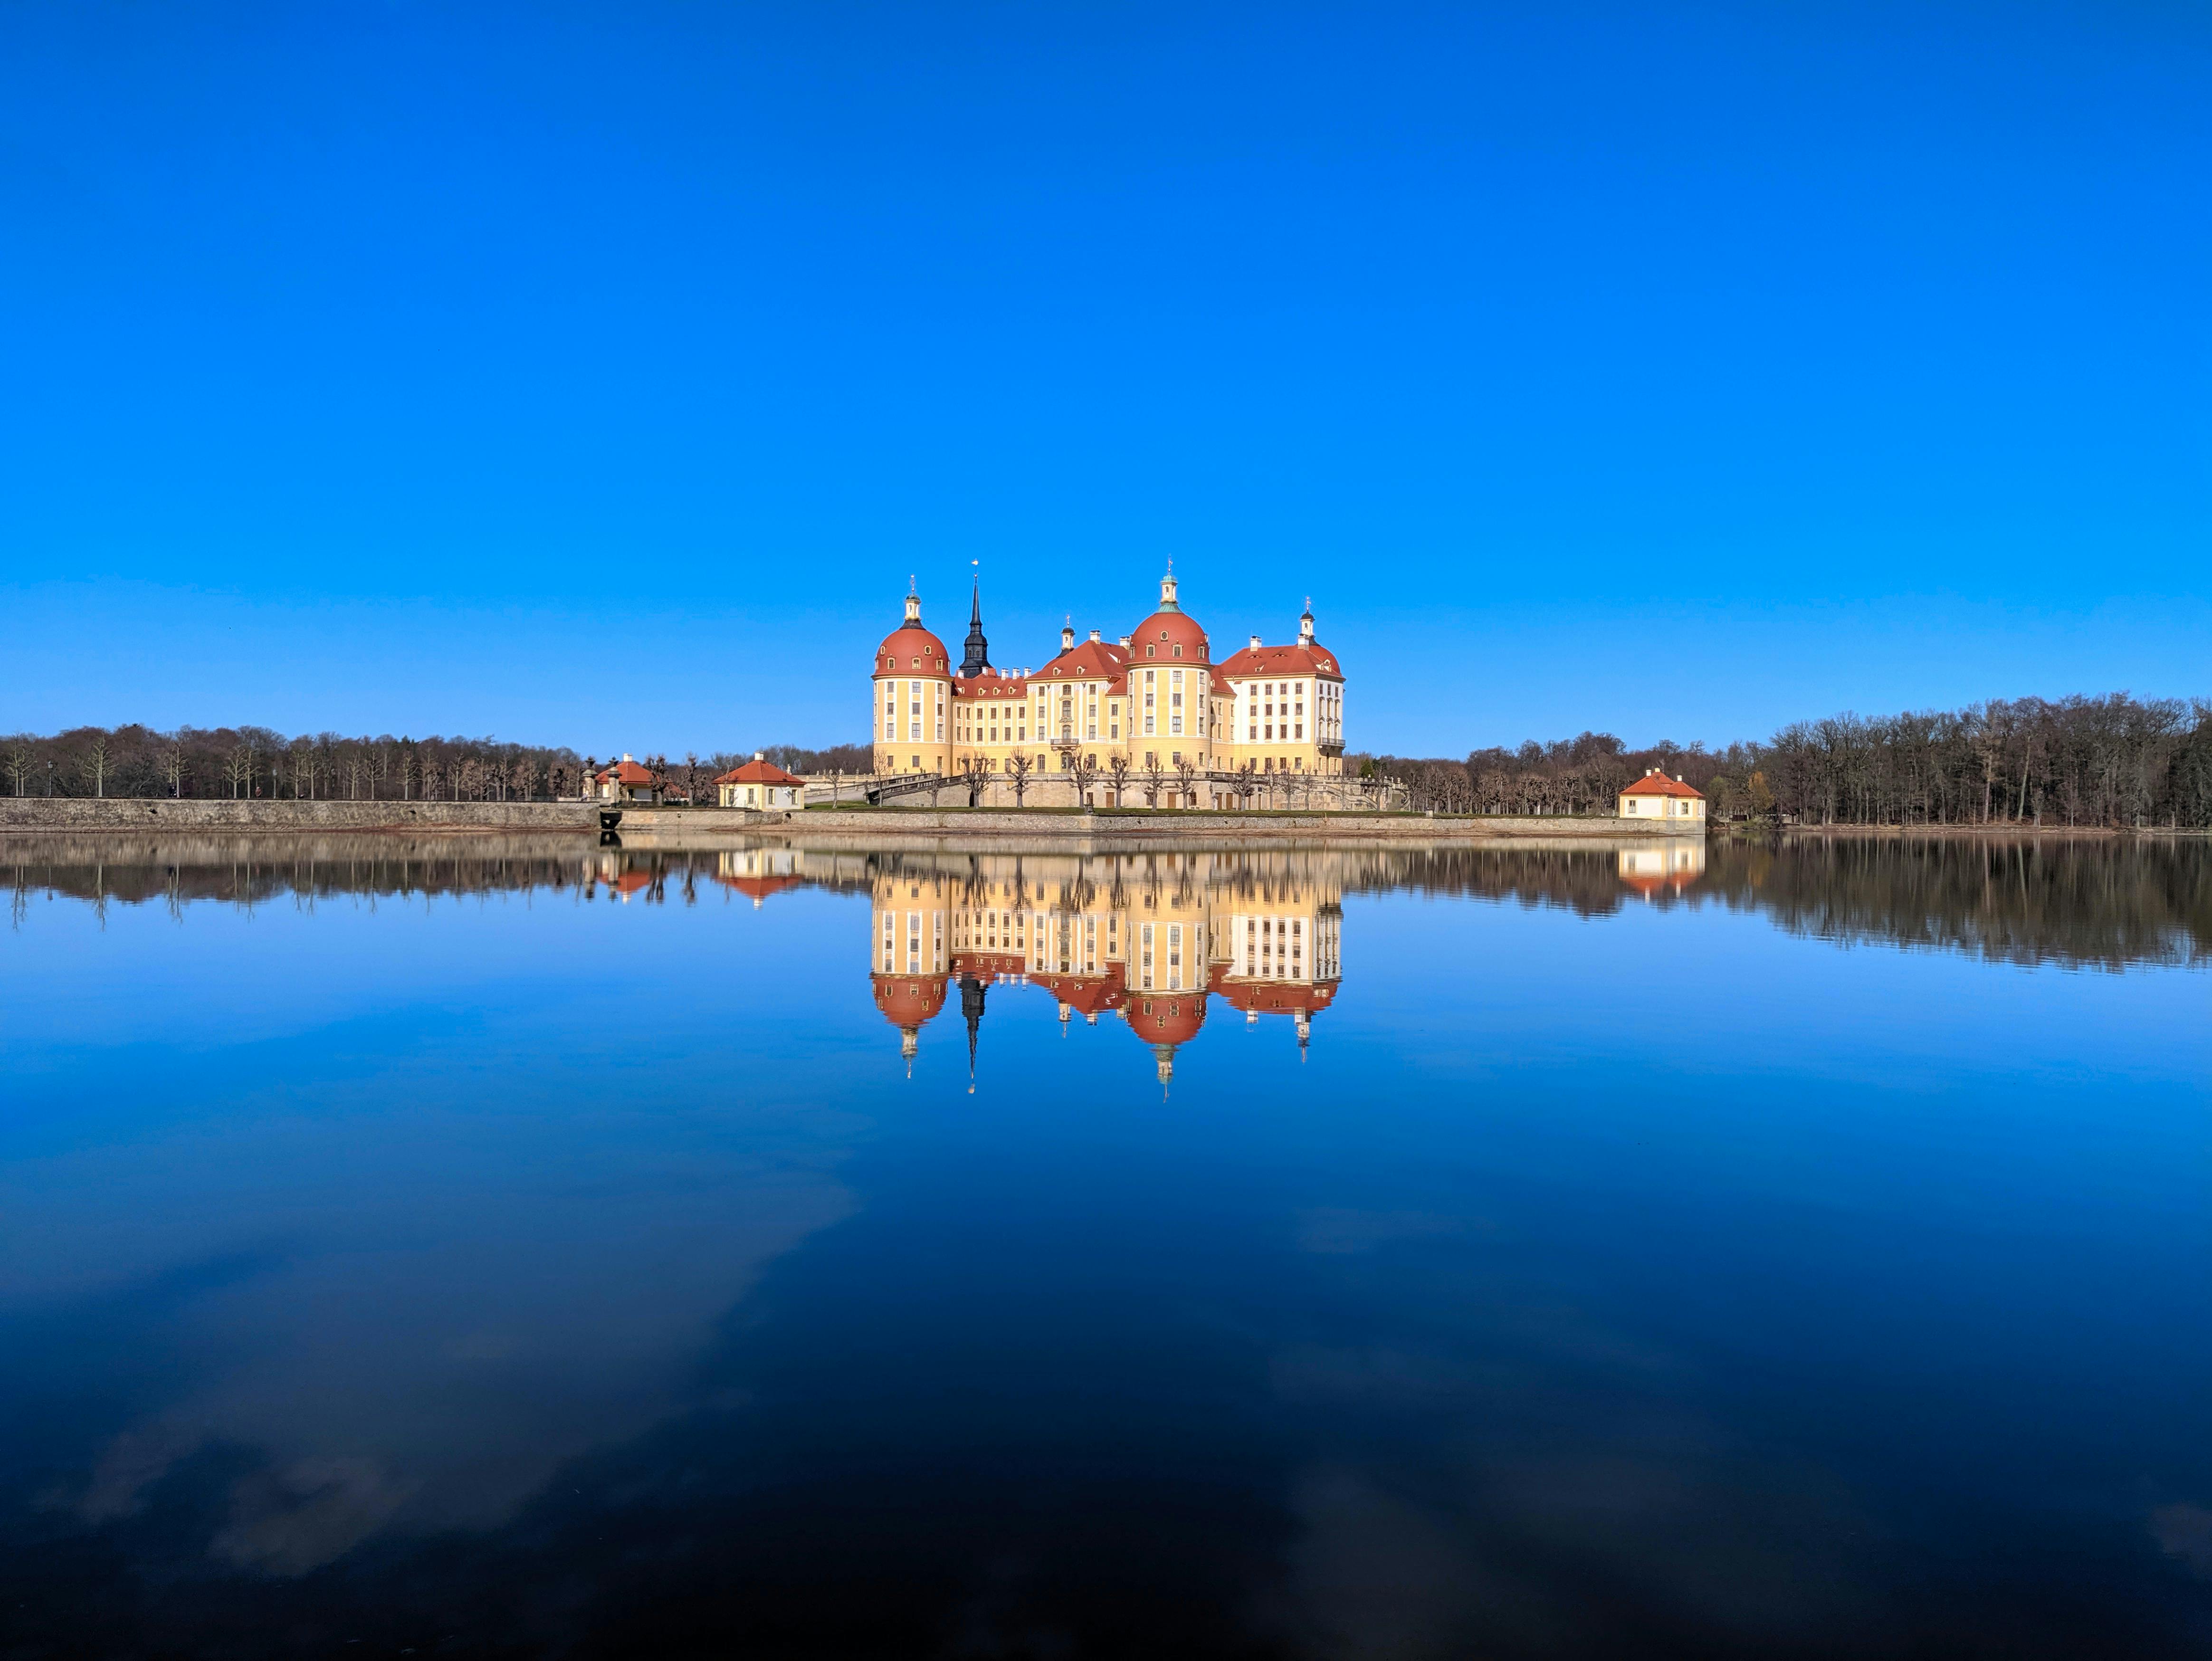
point(1166, 1018)
point(1170, 627)
point(911, 649)
point(909, 1000)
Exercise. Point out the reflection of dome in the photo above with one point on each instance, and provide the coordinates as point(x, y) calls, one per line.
point(1164, 1021)
point(1158, 636)
point(907, 1001)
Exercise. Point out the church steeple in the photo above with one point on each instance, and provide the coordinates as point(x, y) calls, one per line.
point(978, 658)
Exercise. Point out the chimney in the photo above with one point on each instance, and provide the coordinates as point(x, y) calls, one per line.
point(760, 754)
point(626, 755)
point(1094, 636)
point(1125, 642)
point(1255, 643)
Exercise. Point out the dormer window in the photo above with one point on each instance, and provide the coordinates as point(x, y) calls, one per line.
point(1148, 651)
point(1178, 651)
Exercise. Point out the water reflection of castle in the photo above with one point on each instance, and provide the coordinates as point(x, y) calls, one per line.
point(1149, 939)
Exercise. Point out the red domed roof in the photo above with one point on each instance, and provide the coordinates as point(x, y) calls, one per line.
point(908, 1000)
point(1158, 635)
point(1166, 1018)
point(912, 649)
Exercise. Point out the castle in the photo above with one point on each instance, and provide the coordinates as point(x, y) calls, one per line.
point(1149, 712)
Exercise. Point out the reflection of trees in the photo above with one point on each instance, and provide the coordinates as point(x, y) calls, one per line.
point(2101, 901)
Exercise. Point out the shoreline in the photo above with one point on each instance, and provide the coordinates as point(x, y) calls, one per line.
point(669, 827)
point(675, 826)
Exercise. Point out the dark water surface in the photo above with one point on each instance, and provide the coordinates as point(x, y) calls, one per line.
point(506, 1249)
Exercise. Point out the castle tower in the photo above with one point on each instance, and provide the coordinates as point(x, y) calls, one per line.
point(978, 659)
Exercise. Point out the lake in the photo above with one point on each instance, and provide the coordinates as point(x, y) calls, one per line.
point(511, 1247)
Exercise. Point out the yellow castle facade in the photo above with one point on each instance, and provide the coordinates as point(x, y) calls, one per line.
point(1152, 716)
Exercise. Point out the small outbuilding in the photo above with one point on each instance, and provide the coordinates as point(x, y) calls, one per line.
point(1656, 796)
point(761, 783)
point(626, 782)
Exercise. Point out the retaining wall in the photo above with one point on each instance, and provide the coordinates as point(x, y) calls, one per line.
point(124, 813)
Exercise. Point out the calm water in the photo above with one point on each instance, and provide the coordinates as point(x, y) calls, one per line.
point(509, 1248)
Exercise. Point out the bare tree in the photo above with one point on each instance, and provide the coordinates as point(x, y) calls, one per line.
point(96, 755)
point(975, 774)
point(1018, 768)
point(692, 777)
point(19, 766)
point(1185, 773)
point(1083, 770)
point(1117, 767)
point(238, 771)
point(1247, 772)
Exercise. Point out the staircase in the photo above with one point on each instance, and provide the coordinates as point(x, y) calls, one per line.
point(906, 784)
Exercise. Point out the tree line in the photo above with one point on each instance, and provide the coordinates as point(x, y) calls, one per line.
point(2114, 761)
point(258, 762)
point(2111, 761)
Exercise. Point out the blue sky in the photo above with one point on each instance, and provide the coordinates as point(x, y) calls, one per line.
point(598, 375)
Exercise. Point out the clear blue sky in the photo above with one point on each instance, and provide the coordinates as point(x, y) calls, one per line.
point(597, 375)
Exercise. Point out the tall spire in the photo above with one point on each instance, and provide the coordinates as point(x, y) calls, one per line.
point(978, 659)
point(971, 1007)
point(1168, 590)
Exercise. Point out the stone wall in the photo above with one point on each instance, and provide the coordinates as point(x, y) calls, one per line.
point(36, 813)
point(121, 813)
point(897, 821)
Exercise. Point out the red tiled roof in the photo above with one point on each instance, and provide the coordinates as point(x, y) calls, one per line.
point(1087, 660)
point(990, 684)
point(912, 649)
point(1272, 997)
point(1164, 630)
point(1658, 784)
point(758, 888)
point(1169, 1018)
point(624, 772)
point(757, 771)
point(1293, 659)
point(908, 1001)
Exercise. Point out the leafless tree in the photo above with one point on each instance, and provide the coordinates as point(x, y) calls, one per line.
point(1248, 772)
point(692, 777)
point(238, 771)
point(19, 767)
point(1117, 767)
point(1083, 770)
point(1018, 768)
point(96, 755)
point(1185, 775)
point(975, 774)
point(1155, 776)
